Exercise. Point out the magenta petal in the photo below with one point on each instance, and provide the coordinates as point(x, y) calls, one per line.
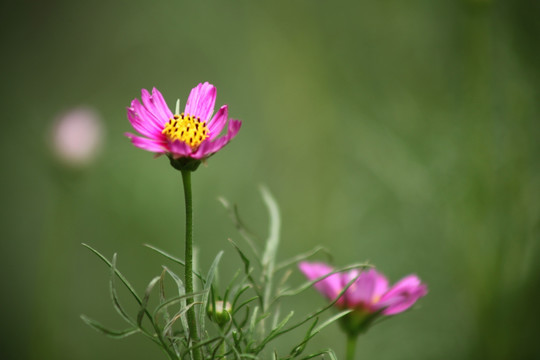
point(147, 144)
point(330, 286)
point(361, 292)
point(146, 118)
point(381, 286)
point(218, 122)
point(402, 295)
point(156, 104)
point(207, 148)
point(201, 101)
point(146, 128)
point(179, 149)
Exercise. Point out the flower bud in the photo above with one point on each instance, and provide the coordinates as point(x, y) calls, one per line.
point(222, 314)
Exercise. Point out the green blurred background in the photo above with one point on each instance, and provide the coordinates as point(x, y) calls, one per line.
point(401, 132)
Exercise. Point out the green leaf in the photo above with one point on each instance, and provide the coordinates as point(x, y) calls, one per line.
point(302, 257)
point(230, 286)
point(253, 321)
point(239, 224)
point(236, 309)
point(298, 349)
point(331, 320)
point(207, 286)
point(175, 300)
point(331, 354)
point(114, 296)
point(239, 293)
point(248, 270)
point(181, 292)
point(275, 332)
point(270, 251)
point(177, 316)
point(172, 258)
point(116, 334)
point(269, 254)
point(118, 273)
point(309, 284)
point(146, 297)
point(312, 332)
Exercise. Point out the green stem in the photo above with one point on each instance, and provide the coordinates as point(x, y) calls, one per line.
point(192, 323)
point(351, 347)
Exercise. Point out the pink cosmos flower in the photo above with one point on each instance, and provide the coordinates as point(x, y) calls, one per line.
point(192, 134)
point(369, 293)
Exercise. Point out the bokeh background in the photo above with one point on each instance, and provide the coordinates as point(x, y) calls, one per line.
point(405, 133)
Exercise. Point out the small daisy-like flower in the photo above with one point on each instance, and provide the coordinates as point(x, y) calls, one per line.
point(186, 138)
point(369, 296)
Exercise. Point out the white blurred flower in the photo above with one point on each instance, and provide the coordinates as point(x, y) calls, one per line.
point(77, 136)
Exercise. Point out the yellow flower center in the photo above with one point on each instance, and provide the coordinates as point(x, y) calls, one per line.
point(186, 128)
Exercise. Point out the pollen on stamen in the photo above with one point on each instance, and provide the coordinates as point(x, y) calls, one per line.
point(186, 128)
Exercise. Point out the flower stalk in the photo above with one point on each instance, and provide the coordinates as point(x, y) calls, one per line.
point(351, 347)
point(188, 275)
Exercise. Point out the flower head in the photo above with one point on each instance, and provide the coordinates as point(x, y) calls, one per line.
point(187, 137)
point(369, 295)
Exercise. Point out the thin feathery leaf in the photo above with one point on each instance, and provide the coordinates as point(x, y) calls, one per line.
point(116, 334)
point(177, 316)
point(331, 354)
point(231, 284)
point(207, 287)
point(321, 310)
point(118, 273)
point(146, 297)
point(302, 257)
point(239, 293)
point(240, 226)
point(174, 300)
point(272, 242)
point(309, 284)
point(114, 296)
point(298, 349)
point(172, 258)
point(181, 292)
point(247, 271)
point(312, 332)
point(275, 332)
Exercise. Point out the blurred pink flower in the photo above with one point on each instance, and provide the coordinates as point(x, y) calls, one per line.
point(191, 134)
point(77, 136)
point(369, 293)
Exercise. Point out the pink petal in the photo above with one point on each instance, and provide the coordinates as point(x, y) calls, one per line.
point(156, 105)
point(363, 289)
point(180, 149)
point(402, 295)
point(381, 286)
point(330, 286)
point(201, 101)
point(218, 122)
point(148, 144)
point(146, 128)
point(208, 148)
point(145, 118)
